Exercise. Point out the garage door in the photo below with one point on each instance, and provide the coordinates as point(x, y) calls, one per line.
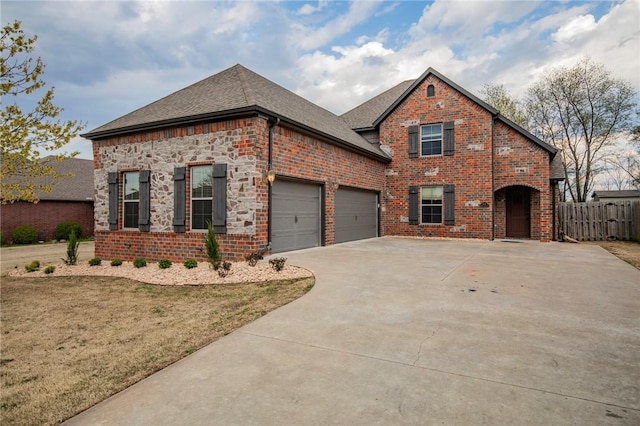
point(356, 215)
point(295, 216)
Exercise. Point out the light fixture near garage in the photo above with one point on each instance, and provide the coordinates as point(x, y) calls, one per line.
point(271, 176)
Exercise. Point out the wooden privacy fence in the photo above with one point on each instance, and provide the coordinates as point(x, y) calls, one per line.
point(600, 221)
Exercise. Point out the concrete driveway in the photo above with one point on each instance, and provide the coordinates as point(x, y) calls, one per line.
point(405, 331)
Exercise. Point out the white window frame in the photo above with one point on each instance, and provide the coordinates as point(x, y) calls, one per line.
point(441, 205)
point(429, 138)
point(192, 198)
point(127, 176)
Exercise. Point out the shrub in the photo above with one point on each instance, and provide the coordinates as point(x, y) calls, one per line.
point(164, 263)
point(190, 263)
point(49, 269)
point(116, 262)
point(96, 261)
point(224, 268)
point(72, 250)
point(278, 263)
point(2, 242)
point(139, 262)
point(33, 266)
point(213, 248)
point(24, 234)
point(65, 228)
point(253, 258)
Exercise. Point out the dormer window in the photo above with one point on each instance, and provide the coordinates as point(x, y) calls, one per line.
point(431, 91)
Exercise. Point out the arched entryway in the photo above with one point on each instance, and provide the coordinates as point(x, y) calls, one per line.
point(518, 212)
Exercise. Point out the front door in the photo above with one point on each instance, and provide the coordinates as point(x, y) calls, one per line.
point(518, 200)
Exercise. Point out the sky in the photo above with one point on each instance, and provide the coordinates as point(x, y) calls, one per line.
point(108, 58)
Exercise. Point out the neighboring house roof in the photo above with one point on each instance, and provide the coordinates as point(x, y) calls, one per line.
point(78, 187)
point(371, 113)
point(628, 193)
point(238, 91)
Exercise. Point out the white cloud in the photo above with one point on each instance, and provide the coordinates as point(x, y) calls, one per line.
point(574, 28)
point(307, 37)
point(308, 9)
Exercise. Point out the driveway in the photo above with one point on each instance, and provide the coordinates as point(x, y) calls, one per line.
point(406, 331)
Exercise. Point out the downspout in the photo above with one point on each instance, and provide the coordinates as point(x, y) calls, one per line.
point(553, 210)
point(272, 124)
point(493, 184)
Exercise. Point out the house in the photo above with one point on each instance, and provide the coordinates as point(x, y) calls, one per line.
point(71, 199)
point(272, 171)
point(615, 196)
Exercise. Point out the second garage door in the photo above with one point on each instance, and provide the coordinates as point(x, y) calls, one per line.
point(295, 216)
point(356, 215)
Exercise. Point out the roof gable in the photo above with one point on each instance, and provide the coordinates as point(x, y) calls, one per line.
point(238, 90)
point(371, 113)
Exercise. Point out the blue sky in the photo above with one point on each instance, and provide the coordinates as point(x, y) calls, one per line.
point(106, 59)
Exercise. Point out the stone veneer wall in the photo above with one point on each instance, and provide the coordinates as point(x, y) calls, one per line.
point(237, 143)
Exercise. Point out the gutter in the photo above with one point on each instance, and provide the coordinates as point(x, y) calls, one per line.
point(272, 123)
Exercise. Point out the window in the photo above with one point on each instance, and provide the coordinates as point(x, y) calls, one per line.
point(131, 199)
point(431, 139)
point(431, 204)
point(431, 91)
point(201, 196)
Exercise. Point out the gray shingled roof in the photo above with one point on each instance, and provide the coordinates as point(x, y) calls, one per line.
point(363, 116)
point(556, 170)
point(234, 91)
point(78, 187)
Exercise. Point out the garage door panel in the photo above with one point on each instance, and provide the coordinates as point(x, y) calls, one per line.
point(295, 216)
point(356, 215)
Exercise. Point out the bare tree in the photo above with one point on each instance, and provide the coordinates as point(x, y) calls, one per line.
point(499, 97)
point(580, 110)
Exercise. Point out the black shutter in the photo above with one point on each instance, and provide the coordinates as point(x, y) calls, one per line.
point(449, 204)
point(144, 209)
point(414, 209)
point(449, 143)
point(220, 198)
point(113, 200)
point(413, 141)
point(179, 198)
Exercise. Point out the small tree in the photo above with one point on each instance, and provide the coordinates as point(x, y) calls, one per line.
point(25, 133)
point(581, 110)
point(72, 249)
point(213, 248)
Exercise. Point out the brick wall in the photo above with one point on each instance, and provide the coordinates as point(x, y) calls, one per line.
point(45, 216)
point(469, 169)
point(304, 157)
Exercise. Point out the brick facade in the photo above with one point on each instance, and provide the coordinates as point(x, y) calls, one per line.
point(45, 216)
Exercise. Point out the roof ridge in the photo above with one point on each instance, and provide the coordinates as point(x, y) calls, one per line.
point(249, 95)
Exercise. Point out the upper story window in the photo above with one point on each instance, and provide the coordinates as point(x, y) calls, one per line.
point(431, 139)
point(431, 91)
point(131, 199)
point(431, 204)
point(201, 196)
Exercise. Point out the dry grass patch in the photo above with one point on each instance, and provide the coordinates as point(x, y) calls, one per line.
point(68, 343)
point(629, 251)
